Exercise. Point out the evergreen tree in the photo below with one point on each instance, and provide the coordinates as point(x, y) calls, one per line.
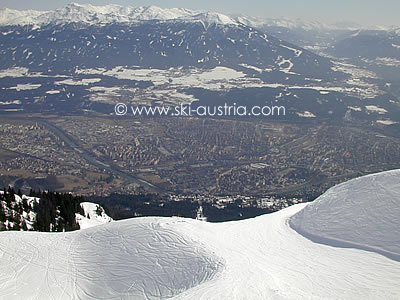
point(9, 198)
point(54, 212)
point(24, 226)
point(2, 214)
point(99, 210)
point(25, 205)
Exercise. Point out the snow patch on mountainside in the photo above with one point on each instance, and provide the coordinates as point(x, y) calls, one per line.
point(363, 213)
point(386, 122)
point(209, 18)
point(170, 81)
point(93, 215)
point(14, 72)
point(25, 87)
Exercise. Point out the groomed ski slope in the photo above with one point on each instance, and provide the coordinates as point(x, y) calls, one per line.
point(134, 259)
point(362, 213)
point(150, 258)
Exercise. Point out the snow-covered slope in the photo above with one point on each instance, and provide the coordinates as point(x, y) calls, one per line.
point(93, 215)
point(209, 18)
point(18, 17)
point(134, 259)
point(154, 258)
point(87, 13)
point(362, 213)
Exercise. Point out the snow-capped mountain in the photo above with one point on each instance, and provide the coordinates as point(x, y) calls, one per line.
point(296, 31)
point(377, 50)
point(260, 258)
point(198, 43)
point(18, 17)
point(112, 13)
point(369, 44)
point(284, 22)
point(300, 32)
point(88, 36)
point(107, 14)
point(75, 54)
point(313, 35)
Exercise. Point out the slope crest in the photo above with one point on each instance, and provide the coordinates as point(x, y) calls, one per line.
point(131, 259)
point(363, 213)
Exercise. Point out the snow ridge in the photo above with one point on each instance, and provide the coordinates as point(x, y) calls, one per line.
point(18, 17)
point(129, 259)
point(362, 213)
point(92, 15)
point(93, 215)
point(303, 25)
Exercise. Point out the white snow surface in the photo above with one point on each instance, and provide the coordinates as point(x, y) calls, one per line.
point(386, 122)
point(91, 218)
point(363, 213)
point(144, 259)
point(18, 17)
point(158, 258)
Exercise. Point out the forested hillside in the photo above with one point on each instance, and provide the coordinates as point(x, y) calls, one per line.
point(40, 211)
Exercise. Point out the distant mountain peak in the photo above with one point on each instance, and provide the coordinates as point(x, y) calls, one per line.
point(305, 25)
point(18, 17)
point(112, 13)
point(214, 18)
point(396, 31)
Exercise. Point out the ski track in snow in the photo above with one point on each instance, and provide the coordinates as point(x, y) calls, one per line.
point(375, 227)
point(121, 260)
point(158, 258)
point(266, 259)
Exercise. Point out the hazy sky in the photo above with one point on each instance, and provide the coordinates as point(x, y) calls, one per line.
point(368, 12)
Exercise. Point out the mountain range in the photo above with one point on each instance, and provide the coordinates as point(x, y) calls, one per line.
point(145, 36)
point(87, 58)
point(89, 14)
point(112, 13)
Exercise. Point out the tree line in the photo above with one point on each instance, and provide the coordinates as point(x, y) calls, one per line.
point(39, 211)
